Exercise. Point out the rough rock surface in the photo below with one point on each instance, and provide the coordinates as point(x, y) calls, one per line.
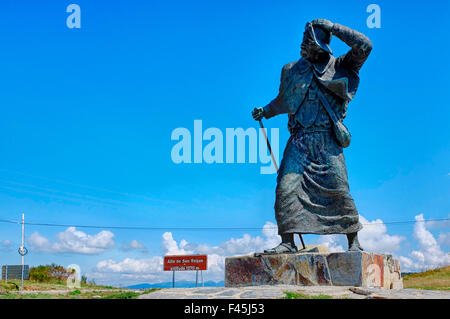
point(357, 269)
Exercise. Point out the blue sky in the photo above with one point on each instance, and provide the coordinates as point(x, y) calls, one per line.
point(87, 116)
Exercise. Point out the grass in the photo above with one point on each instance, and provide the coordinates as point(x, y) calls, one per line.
point(27, 296)
point(97, 292)
point(76, 294)
point(122, 295)
point(30, 285)
point(436, 279)
point(299, 295)
point(147, 291)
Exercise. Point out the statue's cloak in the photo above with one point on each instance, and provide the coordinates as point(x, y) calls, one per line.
point(312, 194)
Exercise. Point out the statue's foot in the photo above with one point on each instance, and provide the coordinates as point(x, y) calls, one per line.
point(356, 247)
point(353, 242)
point(282, 248)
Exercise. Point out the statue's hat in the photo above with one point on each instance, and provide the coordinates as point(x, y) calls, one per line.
point(320, 36)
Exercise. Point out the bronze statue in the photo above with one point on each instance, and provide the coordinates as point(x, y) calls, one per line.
point(312, 194)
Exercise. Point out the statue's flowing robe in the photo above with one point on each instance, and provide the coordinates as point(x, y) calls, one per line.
point(312, 194)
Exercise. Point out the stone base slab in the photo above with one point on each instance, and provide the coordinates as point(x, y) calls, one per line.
point(358, 269)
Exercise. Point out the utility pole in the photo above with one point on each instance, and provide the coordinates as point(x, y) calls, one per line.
point(22, 250)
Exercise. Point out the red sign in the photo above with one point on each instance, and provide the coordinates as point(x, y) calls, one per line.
point(183, 263)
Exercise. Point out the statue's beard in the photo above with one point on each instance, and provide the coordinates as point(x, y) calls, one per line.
point(311, 51)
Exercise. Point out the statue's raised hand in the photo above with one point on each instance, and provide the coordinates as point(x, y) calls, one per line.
point(325, 24)
point(258, 113)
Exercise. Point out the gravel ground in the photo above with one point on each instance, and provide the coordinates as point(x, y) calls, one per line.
point(276, 292)
point(273, 292)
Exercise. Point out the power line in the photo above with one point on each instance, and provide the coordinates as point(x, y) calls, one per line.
point(100, 189)
point(196, 228)
point(71, 197)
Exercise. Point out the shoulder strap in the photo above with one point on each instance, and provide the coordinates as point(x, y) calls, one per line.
point(327, 106)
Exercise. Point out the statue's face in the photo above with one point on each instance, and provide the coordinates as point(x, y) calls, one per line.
point(310, 49)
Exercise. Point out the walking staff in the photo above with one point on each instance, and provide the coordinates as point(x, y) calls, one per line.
point(275, 164)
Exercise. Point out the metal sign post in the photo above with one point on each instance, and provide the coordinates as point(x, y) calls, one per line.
point(186, 263)
point(23, 251)
point(23, 255)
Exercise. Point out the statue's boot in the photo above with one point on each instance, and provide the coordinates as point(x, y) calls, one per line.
point(355, 248)
point(353, 242)
point(282, 248)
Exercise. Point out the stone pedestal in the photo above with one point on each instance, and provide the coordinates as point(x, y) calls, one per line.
point(359, 269)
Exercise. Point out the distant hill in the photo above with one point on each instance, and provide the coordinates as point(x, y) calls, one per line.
point(403, 274)
point(178, 284)
point(438, 279)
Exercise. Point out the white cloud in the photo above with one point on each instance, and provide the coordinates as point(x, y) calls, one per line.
point(374, 237)
point(438, 223)
point(130, 265)
point(135, 245)
point(5, 242)
point(39, 242)
point(430, 254)
point(332, 242)
point(139, 277)
point(234, 246)
point(244, 245)
point(151, 268)
point(5, 245)
point(73, 241)
point(170, 246)
point(406, 264)
point(444, 239)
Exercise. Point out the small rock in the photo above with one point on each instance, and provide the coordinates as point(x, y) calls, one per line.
point(360, 291)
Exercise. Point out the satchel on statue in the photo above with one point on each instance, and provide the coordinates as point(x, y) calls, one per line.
point(341, 132)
